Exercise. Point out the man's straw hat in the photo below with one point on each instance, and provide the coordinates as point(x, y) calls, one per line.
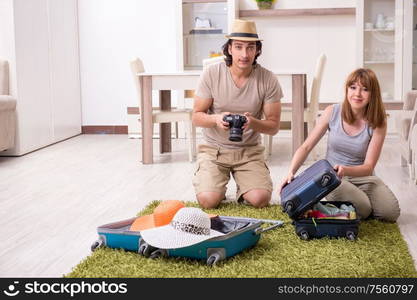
point(244, 30)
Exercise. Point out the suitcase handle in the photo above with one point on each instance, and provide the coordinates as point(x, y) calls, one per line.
point(275, 223)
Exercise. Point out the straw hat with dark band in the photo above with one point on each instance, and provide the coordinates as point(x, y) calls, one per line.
point(244, 30)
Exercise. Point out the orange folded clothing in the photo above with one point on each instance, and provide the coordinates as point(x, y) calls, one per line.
point(162, 215)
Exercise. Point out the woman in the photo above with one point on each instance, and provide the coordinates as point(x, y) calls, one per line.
point(357, 129)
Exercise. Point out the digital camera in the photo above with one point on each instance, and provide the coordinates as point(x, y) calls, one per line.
point(235, 124)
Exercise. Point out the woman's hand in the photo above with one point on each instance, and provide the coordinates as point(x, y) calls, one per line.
point(286, 181)
point(340, 170)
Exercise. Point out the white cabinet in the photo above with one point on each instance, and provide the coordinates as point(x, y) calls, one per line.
point(204, 28)
point(410, 46)
point(204, 24)
point(380, 43)
point(413, 46)
point(45, 72)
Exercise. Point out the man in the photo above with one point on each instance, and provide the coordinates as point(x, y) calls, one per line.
point(239, 85)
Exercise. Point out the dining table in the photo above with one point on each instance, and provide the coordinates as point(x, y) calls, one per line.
point(188, 80)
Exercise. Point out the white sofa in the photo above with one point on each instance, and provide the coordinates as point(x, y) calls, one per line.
point(7, 110)
point(413, 146)
point(405, 122)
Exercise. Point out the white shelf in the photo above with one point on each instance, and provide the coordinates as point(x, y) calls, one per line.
point(211, 12)
point(377, 29)
point(371, 62)
point(193, 67)
point(388, 99)
point(297, 12)
point(208, 35)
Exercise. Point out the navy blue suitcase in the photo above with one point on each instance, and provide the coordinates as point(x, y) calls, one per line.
point(307, 189)
point(307, 228)
point(240, 234)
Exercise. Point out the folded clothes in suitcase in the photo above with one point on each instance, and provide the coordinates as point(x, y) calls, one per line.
point(306, 190)
point(237, 234)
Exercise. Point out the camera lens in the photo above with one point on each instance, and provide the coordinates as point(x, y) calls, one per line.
point(235, 134)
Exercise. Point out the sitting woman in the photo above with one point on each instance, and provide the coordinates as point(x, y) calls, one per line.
point(357, 129)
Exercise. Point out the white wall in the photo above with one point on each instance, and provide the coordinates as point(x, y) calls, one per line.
point(112, 32)
point(295, 42)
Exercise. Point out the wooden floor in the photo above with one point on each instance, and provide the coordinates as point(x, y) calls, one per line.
point(53, 199)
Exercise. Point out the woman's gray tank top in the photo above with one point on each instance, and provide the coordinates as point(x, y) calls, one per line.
point(343, 149)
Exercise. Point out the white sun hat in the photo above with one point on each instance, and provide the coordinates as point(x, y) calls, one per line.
point(189, 226)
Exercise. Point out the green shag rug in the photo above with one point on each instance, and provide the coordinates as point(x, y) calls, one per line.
point(379, 251)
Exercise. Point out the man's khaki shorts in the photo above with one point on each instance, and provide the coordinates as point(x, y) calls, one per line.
point(247, 165)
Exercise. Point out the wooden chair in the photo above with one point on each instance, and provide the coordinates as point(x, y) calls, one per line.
point(413, 148)
point(310, 112)
point(166, 115)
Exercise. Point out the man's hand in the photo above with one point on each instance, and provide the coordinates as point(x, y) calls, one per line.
point(248, 122)
point(340, 170)
point(219, 121)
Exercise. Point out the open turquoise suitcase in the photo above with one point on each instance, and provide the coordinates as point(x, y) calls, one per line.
point(117, 235)
point(240, 234)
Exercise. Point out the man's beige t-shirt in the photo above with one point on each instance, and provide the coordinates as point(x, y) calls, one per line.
point(217, 83)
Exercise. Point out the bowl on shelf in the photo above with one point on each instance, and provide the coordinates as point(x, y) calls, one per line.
point(369, 25)
point(390, 26)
